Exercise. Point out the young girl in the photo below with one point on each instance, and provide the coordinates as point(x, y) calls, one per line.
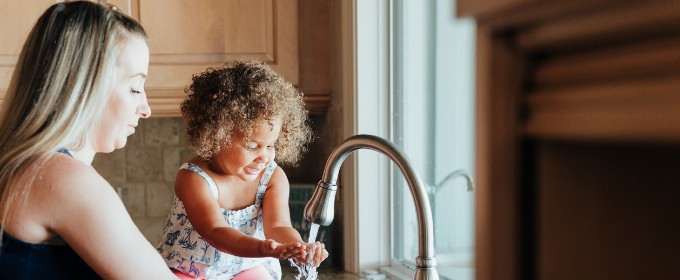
point(230, 217)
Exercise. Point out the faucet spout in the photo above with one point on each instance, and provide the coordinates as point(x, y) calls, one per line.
point(319, 209)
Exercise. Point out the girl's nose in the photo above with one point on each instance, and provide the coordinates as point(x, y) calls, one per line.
point(265, 156)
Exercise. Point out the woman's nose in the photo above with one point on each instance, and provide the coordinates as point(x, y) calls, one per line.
point(144, 110)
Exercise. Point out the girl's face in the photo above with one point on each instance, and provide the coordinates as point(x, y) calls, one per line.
point(246, 158)
point(127, 103)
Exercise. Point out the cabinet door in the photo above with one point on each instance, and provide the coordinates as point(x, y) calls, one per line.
point(16, 20)
point(185, 38)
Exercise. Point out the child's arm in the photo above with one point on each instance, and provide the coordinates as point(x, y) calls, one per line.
point(276, 216)
point(275, 211)
point(205, 216)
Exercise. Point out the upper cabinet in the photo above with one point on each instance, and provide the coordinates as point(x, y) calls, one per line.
point(16, 20)
point(185, 38)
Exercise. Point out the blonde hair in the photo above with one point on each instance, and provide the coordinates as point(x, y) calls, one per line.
point(61, 83)
point(223, 101)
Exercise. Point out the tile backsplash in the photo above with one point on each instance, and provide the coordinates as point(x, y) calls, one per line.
point(144, 171)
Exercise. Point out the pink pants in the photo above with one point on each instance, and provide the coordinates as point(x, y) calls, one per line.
point(255, 273)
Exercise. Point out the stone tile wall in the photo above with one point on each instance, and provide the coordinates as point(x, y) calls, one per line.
point(144, 171)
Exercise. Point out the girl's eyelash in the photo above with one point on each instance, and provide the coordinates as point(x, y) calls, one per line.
point(255, 148)
point(135, 91)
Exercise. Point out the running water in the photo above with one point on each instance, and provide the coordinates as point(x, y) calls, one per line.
point(307, 271)
point(313, 230)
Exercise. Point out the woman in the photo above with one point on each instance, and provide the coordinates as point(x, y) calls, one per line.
point(77, 90)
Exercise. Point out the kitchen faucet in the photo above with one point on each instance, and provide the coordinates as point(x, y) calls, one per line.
point(319, 209)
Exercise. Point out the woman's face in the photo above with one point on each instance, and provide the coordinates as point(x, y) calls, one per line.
point(127, 103)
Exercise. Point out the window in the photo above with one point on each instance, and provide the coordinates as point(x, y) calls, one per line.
point(413, 82)
point(433, 121)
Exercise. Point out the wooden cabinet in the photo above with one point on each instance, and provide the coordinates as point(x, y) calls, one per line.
point(16, 20)
point(578, 139)
point(186, 37)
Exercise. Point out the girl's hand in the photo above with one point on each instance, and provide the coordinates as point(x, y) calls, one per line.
point(316, 253)
point(271, 248)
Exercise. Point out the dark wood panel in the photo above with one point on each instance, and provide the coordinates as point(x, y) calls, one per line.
point(608, 212)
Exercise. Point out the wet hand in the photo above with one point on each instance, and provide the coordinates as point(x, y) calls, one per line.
point(316, 253)
point(271, 248)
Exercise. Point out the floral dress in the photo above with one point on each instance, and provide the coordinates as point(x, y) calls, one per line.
point(184, 250)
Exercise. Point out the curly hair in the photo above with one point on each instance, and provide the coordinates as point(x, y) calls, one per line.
point(222, 102)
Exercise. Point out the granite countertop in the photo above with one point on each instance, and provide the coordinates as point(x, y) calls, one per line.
point(324, 274)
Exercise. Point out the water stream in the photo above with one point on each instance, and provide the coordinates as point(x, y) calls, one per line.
point(307, 271)
point(313, 231)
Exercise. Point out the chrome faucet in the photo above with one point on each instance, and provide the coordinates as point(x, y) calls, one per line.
point(319, 209)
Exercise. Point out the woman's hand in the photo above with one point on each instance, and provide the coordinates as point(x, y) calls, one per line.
point(271, 248)
point(316, 253)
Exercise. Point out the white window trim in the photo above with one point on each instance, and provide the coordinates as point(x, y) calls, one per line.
point(366, 174)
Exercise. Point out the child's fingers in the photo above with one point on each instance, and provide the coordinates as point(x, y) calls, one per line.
point(320, 253)
point(296, 253)
point(268, 247)
point(290, 250)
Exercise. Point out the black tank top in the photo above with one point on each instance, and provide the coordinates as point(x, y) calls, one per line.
point(20, 260)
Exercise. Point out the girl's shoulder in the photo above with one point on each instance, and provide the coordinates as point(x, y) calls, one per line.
point(192, 178)
point(277, 178)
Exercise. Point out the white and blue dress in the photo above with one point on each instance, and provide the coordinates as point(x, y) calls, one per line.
point(184, 250)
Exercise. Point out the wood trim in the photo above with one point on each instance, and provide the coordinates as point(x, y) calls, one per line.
point(596, 26)
point(638, 110)
point(212, 59)
point(497, 202)
point(507, 14)
point(660, 56)
point(317, 103)
point(347, 83)
point(165, 102)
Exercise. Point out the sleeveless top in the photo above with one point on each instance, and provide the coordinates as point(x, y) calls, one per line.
point(184, 250)
point(22, 260)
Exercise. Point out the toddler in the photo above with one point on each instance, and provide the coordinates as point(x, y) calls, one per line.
point(230, 217)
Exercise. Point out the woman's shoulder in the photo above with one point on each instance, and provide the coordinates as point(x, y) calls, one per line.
point(67, 180)
point(61, 188)
point(63, 170)
point(70, 185)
